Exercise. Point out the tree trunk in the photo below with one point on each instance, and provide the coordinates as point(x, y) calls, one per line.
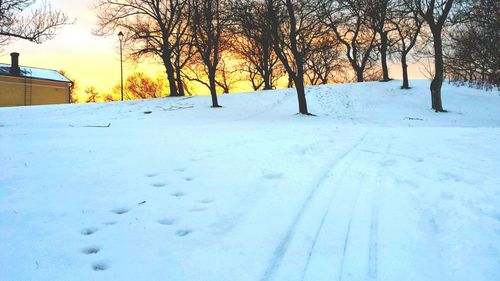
point(172, 82)
point(267, 72)
point(301, 95)
point(178, 79)
point(359, 75)
point(180, 86)
point(404, 65)
point(213, 88)
point(290, 82)
point(267, 79)
point(301, 91)
point(383, 56)
point(437, 82)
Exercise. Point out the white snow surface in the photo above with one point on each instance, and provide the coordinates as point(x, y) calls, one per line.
point(375, 187)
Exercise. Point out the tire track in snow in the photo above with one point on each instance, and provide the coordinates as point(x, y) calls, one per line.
point(318, 232)
point(348, 231)
point(374, 221)
point(354, 225)
point(280, 250)
point(372, 188)
point(373, 243)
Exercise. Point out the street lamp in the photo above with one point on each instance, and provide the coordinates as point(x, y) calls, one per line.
point(120, 37)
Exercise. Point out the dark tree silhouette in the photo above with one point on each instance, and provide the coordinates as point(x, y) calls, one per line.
point(349, 21)
point(295, 25)
point(407, 25)
point(154, 28)
point(209, 28)
point(473, 53)
point(435, 13)
point(324, 61)
point(379, 12)
point(39, 25)
point(251, 29)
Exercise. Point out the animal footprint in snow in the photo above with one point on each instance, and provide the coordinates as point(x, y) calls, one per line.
point(89, 231)
point(108, 223)
point(206, 201)
point(166, 221)
point(178, 194)
point(91, 250)
point(100, 266)
point(120, 211)
point(198, 209)
point(189, 179)
point(152, 175)
point(183, 232)
point(159, 184)
point(269, 175)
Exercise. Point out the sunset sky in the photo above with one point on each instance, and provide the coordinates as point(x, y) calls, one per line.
point(91, 60)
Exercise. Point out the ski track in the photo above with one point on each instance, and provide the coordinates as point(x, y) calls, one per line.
point(373, 243)
point(283, 245)
point(348, 231)
point(371, 188)
point(374, 222)
point(368, 187)
point(318, 231)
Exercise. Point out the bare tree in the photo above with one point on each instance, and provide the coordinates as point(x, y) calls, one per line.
point(435, 13)
point(37, 26)
point(473, 54)
point(251, 28)
point(295, 26)
point(324, 61)
point(92, 94)
point(108, 98)
point(141, 86)
point(379, 12)
point(208, 29)
point(154, 28)
point(407, 26)
point(183, 54)
point(226, 76)
point(349, 21)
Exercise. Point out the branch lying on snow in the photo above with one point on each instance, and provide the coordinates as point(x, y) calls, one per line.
point(91, 126)
point(173, 108)
point(414, 119)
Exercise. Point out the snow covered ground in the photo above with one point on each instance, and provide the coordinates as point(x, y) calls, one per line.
point(376, 187)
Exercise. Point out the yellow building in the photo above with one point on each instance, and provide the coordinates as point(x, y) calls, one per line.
point(24, 86)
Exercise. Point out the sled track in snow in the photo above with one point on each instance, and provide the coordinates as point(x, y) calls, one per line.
point(280, 250)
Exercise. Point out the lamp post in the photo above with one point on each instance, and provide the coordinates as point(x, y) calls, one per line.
point(120, 37)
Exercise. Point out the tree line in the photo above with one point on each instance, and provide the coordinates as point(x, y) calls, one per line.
point(305, 42)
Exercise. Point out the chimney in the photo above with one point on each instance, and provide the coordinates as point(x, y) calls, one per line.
point(14, 67)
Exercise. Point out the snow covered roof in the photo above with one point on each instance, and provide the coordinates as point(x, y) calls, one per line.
point(36, 73)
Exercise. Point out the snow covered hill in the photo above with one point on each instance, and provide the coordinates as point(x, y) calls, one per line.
point(376, 187)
